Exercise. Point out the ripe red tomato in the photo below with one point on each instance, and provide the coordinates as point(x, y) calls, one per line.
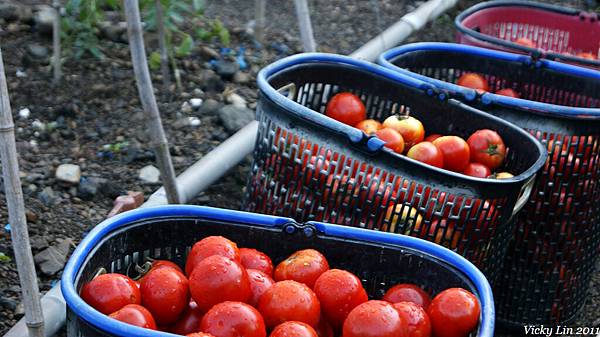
point(289, 301)
point(586, 55)
point(473, 81)
point(508, 92)
point(427, 153)
point(418, 321)
point(217, 279)
point(165, 263)
point(346, 108)
point(293, 329)
point(487, 147)
point(406, 292)
point(523, 41)
point(339, 291)
point(477, 170)
point(410, 128)
point(212, 245)
point(369, 126)
point(254, 259)
point(304, 266)
point(135, 314)
point(199, 334)
point(455, 151)
point(108, 293)
point(375, 319)
point(165, 292)
point(392, 138)
point(323, 328)
point(454, 313)
point(259, 283)
point(432, 137)
point(233, 319)
point(190, 320)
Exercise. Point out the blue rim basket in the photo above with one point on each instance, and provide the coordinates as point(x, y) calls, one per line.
point(168, 232)
point(558, 33)
point(549, 262)
point(308, 166)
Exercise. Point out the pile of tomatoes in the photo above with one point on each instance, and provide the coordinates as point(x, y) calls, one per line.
point(482, 153)
point(226, 291)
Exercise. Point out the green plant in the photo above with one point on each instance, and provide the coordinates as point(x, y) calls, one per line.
point(80, 25)
point(216, 29)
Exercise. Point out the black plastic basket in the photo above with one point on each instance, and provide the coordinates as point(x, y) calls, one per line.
point(168, 233)
point(549, 263)
point(363, 182)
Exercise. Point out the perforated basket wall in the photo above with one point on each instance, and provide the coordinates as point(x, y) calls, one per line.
point(169, 232)
point(309, 167)
point(558, 33)
point(557, 239)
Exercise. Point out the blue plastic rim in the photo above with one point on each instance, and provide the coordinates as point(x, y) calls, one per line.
point(387, 58)
point(103, 322)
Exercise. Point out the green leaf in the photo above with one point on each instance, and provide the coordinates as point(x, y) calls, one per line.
point(198, 6)
point(154, 62)
point(185, 48)
point(4, 258)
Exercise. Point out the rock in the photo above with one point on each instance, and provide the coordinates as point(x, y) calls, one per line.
point(186, 108)
point(37, 51)
point(69, 173)
point(52, 259)
point(241, 77)
point(208, 53)
point(186, 121)
point(10, 12)
point(31, 216)
point(24, 113)
point(210, 81)
point(196, 102)
point(88, 187)
point(236, 100)
point(234, 117)
point(226, 69)
point(149, 174)
point(47, 196)
point(209, 107)
point(114, 31)
point(38, 242)
point(110, 189)
point(198, 92)
point(44, 18)
point(8, 303)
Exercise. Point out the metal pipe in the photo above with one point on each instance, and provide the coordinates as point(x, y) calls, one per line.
point(306, 31)
point(241, 144)
point(259, 20)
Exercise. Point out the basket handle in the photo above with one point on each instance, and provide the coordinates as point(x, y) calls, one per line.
point(524, 195)
point(290, 88)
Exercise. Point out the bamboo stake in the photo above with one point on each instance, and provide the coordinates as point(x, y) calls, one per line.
point(162, 45)
point(146, 92)
point(16, 214)
point(306, 32)
point(56, 42)
point(259, 20)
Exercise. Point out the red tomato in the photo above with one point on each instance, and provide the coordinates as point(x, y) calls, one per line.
point(477, 170)
point(165, 263)
point(212, 245)
point(304, 266)
point(432, 137)
point(108, 293)
point(406, 292)
point(346, 108)
point(375, 319)
point(508, 92)
point(586, 55)
point(418, 321)
point(199, 334)
point(259, 283)
point(455, 151)
point(487, 147)
point(254, 259)
point(454, 313)
point(410, 128)
point(233, 319)
point(289, 301)
point(135, 314)
point(165, 292)
point(217, 279)
point(323, 328)
point(190, 320)
point(339, 292)
point(523, 41)
point(392, 138)
point(369, 126)
point(473, 81)
point(293, 329)
point(427, 153)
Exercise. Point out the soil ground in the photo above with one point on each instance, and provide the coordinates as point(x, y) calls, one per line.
point(97, 104)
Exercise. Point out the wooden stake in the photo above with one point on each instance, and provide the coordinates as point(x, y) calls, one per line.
point(16, 214)
point(57, 67)
point(306, 32)
point(146, 92)
point(259, 20)
point(162, 45)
